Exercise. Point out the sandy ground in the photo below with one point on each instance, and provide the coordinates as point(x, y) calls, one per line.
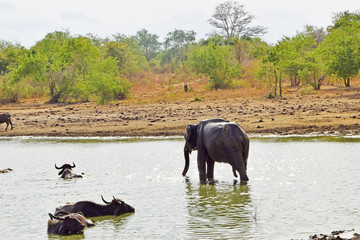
point(327, 112)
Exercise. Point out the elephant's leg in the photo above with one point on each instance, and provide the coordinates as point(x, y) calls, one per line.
point(201, 159)
point(210, 168)
point(239, 165)
point(234, 172)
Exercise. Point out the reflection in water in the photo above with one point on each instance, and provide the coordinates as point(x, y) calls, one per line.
point(113, 222)
point(218, 210)
point(66, 237)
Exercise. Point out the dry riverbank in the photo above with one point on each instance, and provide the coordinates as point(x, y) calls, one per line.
point(331, 111)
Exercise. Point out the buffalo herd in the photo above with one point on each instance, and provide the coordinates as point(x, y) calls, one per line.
point(71, 218)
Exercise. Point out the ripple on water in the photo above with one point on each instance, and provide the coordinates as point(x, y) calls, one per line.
point(296, 188)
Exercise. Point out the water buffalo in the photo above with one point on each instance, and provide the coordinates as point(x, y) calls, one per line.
point(6, 118)
point(91, 209)
point(66, 171)
point(72, 223)
point(7, 170)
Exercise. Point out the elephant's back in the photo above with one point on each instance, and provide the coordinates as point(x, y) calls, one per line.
point(229, 134)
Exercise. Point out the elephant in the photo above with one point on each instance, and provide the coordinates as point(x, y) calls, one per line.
point(217, 140)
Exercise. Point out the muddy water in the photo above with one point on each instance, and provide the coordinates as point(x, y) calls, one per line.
point(297, 187)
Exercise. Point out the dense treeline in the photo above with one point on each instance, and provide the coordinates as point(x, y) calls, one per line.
point(66, 67)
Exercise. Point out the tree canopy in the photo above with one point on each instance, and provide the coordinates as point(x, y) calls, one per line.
point(66, 67)
point(231, 20)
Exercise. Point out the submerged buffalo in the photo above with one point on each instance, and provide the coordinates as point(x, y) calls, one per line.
point(7, 170)
point(66, 171)
point(72, 223)
point(91, 209)
point(6, 118)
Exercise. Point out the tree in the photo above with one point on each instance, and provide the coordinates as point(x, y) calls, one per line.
point(134, 47)
point(105, 81)
point(149, 43)
point(344, 19)
point(341, 47)
point(272, 64)
point(216, 62)
point(176, 44)
point(317, 34)
point(231, 19)
point(71, 67)
point(64, 61)
point(178, 39)
point(126, 60)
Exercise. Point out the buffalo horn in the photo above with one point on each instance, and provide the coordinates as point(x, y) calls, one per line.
point(57, 167)
point(73, 165)
point(53, 217)
point(119, 201)
point(104, 200)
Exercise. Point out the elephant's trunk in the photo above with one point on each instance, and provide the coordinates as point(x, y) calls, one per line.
point(187, 161)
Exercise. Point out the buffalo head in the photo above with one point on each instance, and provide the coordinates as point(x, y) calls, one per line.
point(65, 166)
point(72, 223)
point(118, 206)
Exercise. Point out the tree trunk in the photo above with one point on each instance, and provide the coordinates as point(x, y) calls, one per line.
point(280, 87)
point(294, 81)
point(276, 82)
point(319, 81)
point(347, 82)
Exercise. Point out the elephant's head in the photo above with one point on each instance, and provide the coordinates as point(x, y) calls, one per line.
point(190, 144)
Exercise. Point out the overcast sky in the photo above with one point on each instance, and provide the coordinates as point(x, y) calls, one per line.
point(28, 21)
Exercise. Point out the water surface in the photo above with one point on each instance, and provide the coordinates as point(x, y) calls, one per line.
point(298, 187)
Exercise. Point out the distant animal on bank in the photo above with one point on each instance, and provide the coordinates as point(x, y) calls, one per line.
point(66, 171)
point(7, 170)
point(72, 223)
point(6, 118)
point(217, 140)
point(91, 209)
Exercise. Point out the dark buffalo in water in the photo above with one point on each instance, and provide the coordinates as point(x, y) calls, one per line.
point(72, 223)
point(91, 209)
point(7, 170)
point(66, 171)
point(6, 118)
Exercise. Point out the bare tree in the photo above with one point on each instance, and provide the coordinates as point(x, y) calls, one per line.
point(232, 20)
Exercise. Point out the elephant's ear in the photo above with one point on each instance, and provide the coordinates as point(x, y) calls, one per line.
point(188, 130)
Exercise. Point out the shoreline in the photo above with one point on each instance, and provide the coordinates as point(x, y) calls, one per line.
point(145, 138)
point(326, 113)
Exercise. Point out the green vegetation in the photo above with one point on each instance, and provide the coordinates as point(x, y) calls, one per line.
point(72, 68)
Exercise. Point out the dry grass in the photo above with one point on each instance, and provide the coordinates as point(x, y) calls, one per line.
point(170, 88)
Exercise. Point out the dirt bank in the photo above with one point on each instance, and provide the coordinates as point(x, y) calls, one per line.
point(330, 112)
